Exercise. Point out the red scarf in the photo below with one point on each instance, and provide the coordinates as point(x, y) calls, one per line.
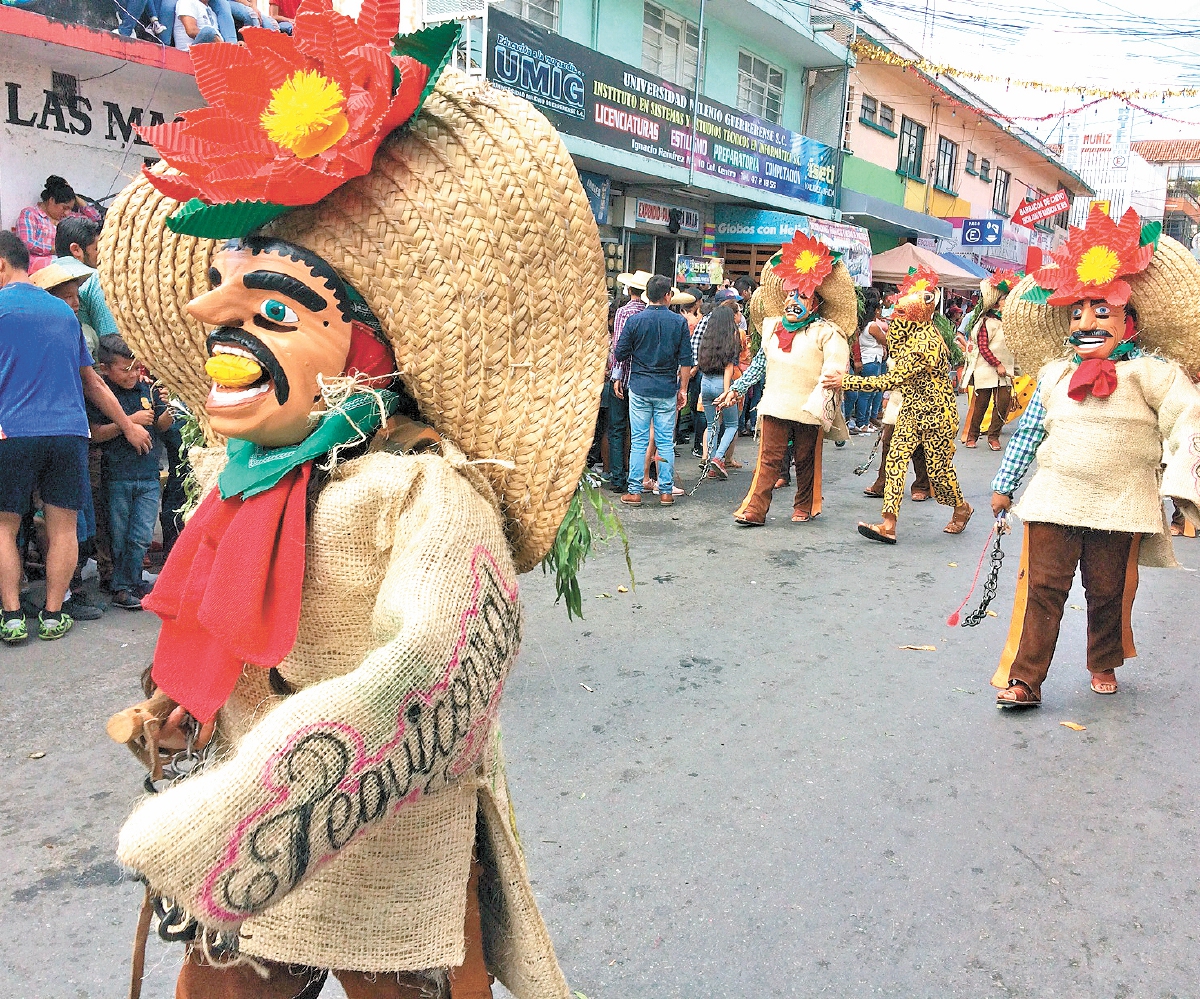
point(1096, 376)
point(229, 594)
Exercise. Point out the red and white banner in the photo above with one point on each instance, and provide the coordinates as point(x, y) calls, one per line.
point(1032, 212)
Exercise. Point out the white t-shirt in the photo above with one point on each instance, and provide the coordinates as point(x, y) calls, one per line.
point(870, 348)
point(202, 13)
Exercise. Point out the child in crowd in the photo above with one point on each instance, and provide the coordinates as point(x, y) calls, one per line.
point(131, 479)
point(720, 347)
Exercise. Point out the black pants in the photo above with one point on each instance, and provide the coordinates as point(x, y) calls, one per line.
point(699, 420)
point(618, 441)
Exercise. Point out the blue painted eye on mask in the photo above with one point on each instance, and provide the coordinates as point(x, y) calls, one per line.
point(275, 311)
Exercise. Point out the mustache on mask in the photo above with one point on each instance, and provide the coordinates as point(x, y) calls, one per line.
point(238, 337)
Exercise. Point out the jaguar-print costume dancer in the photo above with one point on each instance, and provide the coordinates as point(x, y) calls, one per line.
point(929, 414)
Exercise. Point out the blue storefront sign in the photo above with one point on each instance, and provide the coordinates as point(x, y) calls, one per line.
point(749, 225)
point(598, 189)
point(595, 97)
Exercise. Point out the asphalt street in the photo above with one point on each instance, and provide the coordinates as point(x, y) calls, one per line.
point(734, 781)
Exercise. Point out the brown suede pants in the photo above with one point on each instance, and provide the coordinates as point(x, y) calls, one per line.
point(920, 483)
point(1108, 564)
point(1001, 399)
point(774, 434)
point(199, 980)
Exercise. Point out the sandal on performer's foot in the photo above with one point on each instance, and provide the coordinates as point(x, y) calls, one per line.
point(803, 517)
point(1105, 682)
point(1018, 694)
point(874, 492)
point(877, 532)
point(962, 517)
point(919, 495)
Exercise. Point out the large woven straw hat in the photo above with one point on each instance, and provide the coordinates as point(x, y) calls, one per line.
point(473, 242)
point(839, 304)
point(989, 295)
point(1165, 296)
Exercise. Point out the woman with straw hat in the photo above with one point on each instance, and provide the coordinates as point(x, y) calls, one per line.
point(809, 310)
point(1114, 425)
point(402, 343)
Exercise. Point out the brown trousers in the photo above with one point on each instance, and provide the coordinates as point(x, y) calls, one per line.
point(199, 980)
point(921, 482)
point(1108, 564)
point(1001, 398)
point(772, 445)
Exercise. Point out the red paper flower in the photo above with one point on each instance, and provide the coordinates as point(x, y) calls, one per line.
point(1093, 260)
point(1004, 281)
point(920, 280)
point(290, 119)
point(804, 263)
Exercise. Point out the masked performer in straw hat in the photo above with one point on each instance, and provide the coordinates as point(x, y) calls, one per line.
point(990, 361)
point(929, 412)
point(403, 342)
point(1114, 425)
point(808, 306)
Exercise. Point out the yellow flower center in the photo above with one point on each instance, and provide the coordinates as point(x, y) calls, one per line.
point(806, 261)
point(305, 114)
point(1099, 265)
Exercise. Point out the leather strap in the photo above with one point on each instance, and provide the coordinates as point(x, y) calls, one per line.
point(139, 947)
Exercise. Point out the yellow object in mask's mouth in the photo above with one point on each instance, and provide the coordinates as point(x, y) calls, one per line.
point(237, 375)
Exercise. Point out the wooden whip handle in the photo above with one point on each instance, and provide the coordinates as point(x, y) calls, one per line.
point(126, 726)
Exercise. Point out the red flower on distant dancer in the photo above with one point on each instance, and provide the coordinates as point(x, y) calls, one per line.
point(804, 263)
point(290, 119)
point(1004, 281)
point(919, 280)
point(1093, 260)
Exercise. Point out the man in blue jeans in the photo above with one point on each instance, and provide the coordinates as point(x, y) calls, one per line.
point(656, 344)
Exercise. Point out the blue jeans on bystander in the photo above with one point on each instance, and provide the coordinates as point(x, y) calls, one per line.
point(643, 411)
point(132, 514)
point(710, 387)
point(867, 404)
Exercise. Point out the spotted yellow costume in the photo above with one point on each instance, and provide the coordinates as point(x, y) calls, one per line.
point(928, 416)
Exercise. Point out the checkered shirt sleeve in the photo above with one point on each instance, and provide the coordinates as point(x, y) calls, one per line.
point(697, 333)
point(36, 231)
point(754, 373)
point(1022, 447)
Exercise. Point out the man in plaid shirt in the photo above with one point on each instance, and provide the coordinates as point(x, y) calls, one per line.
point(616, 383)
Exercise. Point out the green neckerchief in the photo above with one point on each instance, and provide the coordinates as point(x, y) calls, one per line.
point(797, 327)
point(1124, 351)
point(252, 469)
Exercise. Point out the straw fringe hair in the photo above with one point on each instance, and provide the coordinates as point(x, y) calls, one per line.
point(1165, 296)
point(474, 244)
point(839, 304)
point(989, 295)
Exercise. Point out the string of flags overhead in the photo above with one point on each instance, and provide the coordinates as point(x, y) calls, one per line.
point(867, 51)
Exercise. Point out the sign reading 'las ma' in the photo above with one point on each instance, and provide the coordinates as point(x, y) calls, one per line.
point(592, 96)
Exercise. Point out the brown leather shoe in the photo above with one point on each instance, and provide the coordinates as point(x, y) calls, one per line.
point(962, 516)
point(665, 499)
point(632, 499)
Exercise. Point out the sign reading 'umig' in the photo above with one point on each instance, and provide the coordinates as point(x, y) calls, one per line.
point(594, 97)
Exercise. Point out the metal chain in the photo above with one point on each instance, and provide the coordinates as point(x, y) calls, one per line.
point(874, 451)
point(993, 579)
point(712, 437)
point(183, 763)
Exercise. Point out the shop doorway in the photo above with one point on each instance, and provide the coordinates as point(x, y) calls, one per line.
point(665, 250)
point(746, 259)
point(639, 255)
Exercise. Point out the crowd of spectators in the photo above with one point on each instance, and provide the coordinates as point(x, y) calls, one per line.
point(86, 437)
point(184, 23)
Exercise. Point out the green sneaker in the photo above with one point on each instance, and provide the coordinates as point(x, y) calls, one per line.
point(54, 626)
point(13, 629)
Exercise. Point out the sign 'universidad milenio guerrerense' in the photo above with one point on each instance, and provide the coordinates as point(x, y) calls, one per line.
point(595, 97)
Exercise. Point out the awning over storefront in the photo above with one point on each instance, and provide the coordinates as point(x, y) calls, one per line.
point(966, 263)
point(893, 267)
point(882, 216)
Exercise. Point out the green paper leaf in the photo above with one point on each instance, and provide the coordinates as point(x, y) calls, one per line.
point(1151, 232)
point(1036, 295)
point(431, 47)
point(228, 221)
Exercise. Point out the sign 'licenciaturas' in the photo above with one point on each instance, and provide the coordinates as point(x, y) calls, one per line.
point(1032, 212)
point(595, 97)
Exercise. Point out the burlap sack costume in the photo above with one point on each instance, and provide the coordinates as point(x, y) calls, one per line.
point(978, 372)
point(472, 241)
point(1107, 463)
